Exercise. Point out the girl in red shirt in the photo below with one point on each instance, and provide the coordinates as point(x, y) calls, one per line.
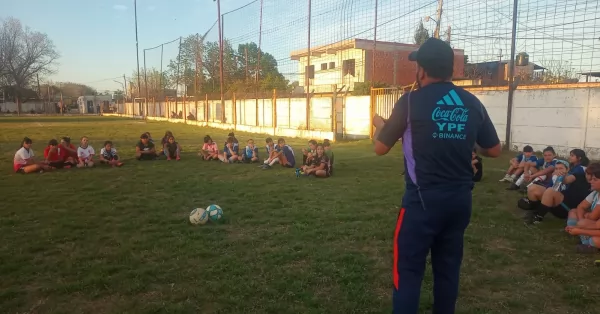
point(68, 151)
point(55, 157)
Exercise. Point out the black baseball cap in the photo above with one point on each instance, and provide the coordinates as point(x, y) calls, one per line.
point(434, 55)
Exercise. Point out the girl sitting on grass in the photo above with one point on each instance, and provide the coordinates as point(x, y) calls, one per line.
point(24, 161)
point(108, 155)
point(272, 150)
point(164, 142)
point(172, 149)
point(250, 153)
point(536, 169)
point(537, 187)
point(319, 166)
point(53, 157)
point(229, 154)
point(584, 221)
point(576, 188)
point(68, 151)
point(86, 153)
point(209, 150)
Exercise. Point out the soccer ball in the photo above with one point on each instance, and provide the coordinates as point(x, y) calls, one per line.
point(215, 213)
point(198, 216)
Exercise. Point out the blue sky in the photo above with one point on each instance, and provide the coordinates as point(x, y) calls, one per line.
point(96, 38)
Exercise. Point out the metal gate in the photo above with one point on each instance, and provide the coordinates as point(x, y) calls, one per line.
point(382, 103)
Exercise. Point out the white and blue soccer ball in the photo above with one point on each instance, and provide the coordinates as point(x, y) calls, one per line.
point(215, 213)
point(198, 216)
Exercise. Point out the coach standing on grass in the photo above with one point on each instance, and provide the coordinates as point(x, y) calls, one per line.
point(439, 124)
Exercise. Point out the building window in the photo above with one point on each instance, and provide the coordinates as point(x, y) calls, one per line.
point(323, 66)
point(310, 71)
point(331, 65)
point(349, 67)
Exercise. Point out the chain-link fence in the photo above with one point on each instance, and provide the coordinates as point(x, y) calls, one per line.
point(294, 65)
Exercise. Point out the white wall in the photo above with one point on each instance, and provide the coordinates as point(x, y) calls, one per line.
point(37, 106)
point(325, 78)
point(563, 118)
point(357, 120)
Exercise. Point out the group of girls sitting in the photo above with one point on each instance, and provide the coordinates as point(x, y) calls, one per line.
point(568, 189)
point(63, 155)
point(317, 158)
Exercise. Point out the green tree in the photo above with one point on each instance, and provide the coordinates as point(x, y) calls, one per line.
point(73, 90)
point(240, 67)
point(152, 80)
point(421, 34)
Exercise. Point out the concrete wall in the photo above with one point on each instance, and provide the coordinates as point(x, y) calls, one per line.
point(37, 106)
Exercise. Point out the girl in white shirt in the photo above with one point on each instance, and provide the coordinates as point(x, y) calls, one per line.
point(24, 161)
point(85, 153)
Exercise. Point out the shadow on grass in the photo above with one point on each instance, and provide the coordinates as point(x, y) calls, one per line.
point(61, 119)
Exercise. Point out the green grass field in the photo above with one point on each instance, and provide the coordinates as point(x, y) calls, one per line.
point(109, 240)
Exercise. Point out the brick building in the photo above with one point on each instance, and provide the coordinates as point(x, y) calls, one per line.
point(351, 61)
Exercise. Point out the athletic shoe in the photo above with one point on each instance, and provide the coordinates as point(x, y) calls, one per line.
point(513, 187)
point(505, 179)
point(524, 204)
point(530, 218)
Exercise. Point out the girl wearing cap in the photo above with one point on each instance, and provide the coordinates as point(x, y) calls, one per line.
point(24, 161)
point(576, 187)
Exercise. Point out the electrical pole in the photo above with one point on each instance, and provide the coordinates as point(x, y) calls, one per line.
point(221, 57)
point(162, 90)
point(125, 87)
point(246, 57)
point(196, 73)
point(511, 74)
point(259, 42)
point(137, 49)
point(307, 71)
point(178, 75)
point(375, 44)
point(438, 20)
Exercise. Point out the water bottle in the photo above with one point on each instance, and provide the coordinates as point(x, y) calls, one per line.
point(558, 184)
point(297, 172)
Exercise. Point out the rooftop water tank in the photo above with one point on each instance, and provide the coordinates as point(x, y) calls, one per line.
point(522, 59)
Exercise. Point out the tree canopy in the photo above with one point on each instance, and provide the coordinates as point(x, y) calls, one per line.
point(421, 34)
point(24, 56)
point(240, 68)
